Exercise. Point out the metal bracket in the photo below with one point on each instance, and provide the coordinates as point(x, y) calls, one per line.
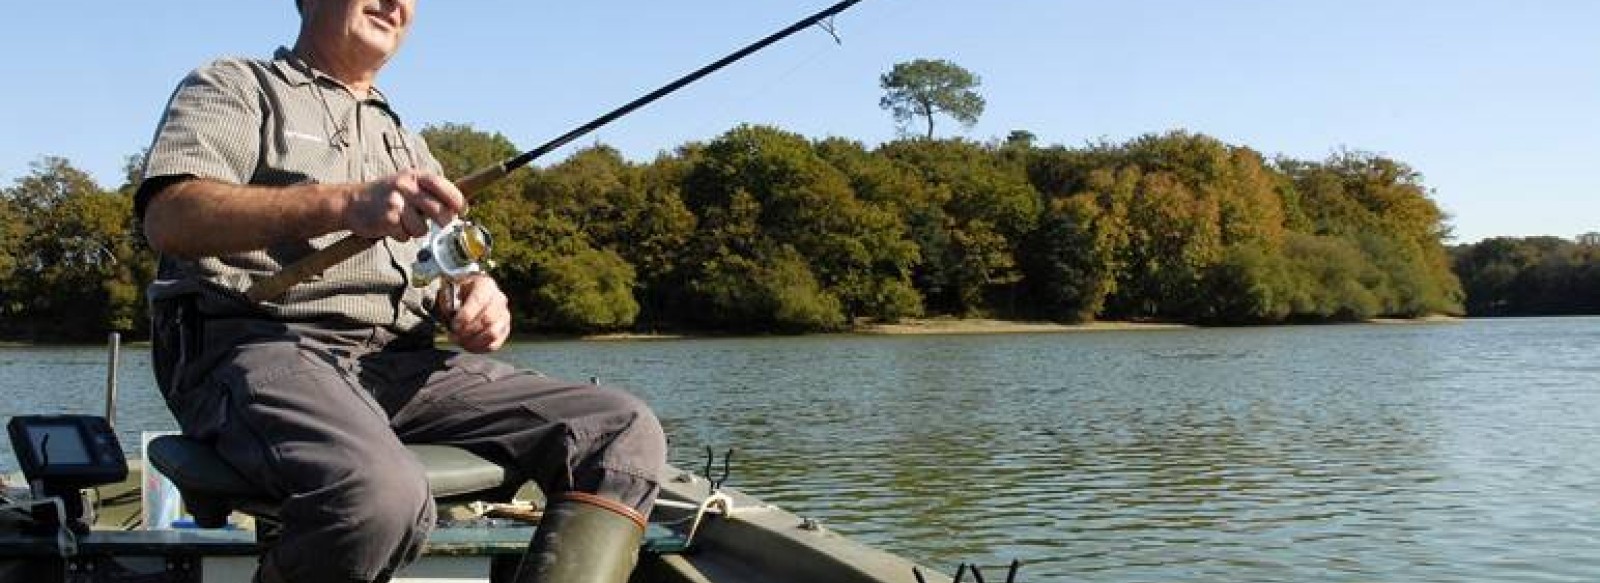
point(727, 463)
point(977, 573)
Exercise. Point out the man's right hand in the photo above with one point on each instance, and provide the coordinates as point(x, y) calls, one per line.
point(400, 205)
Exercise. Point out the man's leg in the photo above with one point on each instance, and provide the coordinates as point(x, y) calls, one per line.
point(596, 452)
point(356, 505)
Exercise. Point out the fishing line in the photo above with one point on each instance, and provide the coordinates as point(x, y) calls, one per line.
point(708, 128)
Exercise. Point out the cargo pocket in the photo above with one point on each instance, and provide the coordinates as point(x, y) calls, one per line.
point(172, 341)
point(177, 343)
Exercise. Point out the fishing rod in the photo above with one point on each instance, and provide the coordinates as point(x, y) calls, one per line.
point(470, 244)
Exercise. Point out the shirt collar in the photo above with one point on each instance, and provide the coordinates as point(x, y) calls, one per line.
point(293, 70)
point(297, 72)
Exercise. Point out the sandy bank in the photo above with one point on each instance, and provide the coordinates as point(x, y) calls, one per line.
point(923, 326)
point(1430, 319)
point(931, 326)
point(986, 326)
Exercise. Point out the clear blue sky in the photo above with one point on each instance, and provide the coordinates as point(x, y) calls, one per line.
point(1496, 103)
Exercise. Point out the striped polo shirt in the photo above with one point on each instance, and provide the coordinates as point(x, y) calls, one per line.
point(280, 122)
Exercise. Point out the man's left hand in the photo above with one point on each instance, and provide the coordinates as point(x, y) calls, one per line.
point(482, 322)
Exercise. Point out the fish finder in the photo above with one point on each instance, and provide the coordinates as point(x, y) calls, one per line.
point(62, 454)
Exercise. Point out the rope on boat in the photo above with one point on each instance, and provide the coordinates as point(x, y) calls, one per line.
point(721, 503)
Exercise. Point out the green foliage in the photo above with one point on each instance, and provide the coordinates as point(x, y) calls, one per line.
point(1251, 284)
point(760, 190)
point(1534, 276)
point(1329, 279)
point(72, 266)
point(11, 233)
point(764, 230)
point(974, 211)
point(780, 294)
point(1187, 228)
point(924, 88)
point(1069, 262)
point(587, 291)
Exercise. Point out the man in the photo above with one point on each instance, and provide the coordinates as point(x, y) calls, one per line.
point(254, 165)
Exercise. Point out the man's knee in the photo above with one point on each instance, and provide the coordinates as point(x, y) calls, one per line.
point(400, 511)
point(366, 526)
point(638, 446)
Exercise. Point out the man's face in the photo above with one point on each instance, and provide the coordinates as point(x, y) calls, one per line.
point(370, 29)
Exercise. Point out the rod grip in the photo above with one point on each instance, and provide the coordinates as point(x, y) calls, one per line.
point(306, 268)
point(322, 259)
point(476, 181)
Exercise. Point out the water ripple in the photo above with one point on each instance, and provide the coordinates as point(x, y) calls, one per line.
point(1451, 453)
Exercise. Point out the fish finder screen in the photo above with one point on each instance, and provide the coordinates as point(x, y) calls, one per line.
point(59, 444)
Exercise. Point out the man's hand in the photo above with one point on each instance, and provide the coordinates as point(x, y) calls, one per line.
point(483, 321)
point(400, 205)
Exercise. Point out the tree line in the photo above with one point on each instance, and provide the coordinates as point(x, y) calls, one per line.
point(764, 230)
point(1533, 276)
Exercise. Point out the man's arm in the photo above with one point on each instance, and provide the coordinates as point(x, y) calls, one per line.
point(201, 217)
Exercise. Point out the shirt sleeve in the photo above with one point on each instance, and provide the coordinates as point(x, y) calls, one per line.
point(211, 129)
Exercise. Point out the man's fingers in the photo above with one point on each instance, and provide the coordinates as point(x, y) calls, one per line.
point(449, 198)
point(413, 223)
point(426, 207)
point(487, 339)
point(469, 316)
point(401, 205)
point(427, 195)
point(481, 323)
point(476, 336)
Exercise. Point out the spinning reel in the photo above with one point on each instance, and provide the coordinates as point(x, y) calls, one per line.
point(453, 252)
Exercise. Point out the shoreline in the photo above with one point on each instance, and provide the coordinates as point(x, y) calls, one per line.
point(930, 326)
point(1430, 319)
point(907, 327)
point(958, 326)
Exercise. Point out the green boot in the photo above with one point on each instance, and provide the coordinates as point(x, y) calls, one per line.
point(583, 538)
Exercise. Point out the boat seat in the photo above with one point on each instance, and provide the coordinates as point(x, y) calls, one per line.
point(211, 488)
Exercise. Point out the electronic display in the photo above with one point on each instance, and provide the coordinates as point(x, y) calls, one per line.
point(67, 451)
point(58, 444)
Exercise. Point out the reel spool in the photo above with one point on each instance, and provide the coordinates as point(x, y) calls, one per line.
point(453, 252)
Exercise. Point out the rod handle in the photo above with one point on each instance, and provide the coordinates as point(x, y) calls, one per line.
point(307, 267)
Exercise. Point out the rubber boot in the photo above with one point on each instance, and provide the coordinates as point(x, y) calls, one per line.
point(583, 538)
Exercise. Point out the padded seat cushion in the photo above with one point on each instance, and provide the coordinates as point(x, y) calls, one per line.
point(453, 471)
point(196, 467)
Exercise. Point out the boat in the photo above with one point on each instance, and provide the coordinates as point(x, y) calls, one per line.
point(700, 532)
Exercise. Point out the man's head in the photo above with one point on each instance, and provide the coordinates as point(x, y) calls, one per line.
point(353, 34)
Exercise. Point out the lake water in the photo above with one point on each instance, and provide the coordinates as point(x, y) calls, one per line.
point(1463, 451)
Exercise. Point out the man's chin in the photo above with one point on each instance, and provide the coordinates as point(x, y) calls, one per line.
point(379, 48)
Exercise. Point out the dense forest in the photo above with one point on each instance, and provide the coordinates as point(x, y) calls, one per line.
point(763, 230)
point(1534, 276)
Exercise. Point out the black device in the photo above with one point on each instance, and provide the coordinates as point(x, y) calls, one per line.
point(61, 455)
